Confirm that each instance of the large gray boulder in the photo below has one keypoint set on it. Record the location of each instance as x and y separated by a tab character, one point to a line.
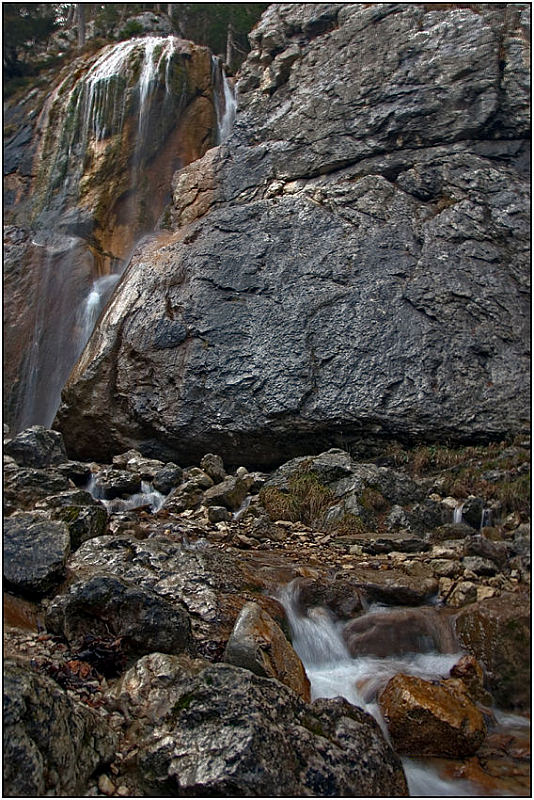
225	732
359	265
52	743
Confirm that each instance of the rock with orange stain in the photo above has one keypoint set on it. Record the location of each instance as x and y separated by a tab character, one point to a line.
257	643
426	718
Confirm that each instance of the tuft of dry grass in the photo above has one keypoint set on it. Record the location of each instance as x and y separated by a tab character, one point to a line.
305	501
373	500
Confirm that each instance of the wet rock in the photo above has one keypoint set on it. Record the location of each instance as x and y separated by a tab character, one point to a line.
226	731
134	461
24	486
398	632
396	588
84	516
472	511
209	582
218	514
426	718
338	593
214	466
229	493
52	744
464	592
167	478
479	565
187	495
469	671
78	472
35	552
198	477
479	545
110	483
497	632
106	605
37	447
258	644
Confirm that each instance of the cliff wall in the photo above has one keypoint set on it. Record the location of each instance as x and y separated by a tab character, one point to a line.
352	265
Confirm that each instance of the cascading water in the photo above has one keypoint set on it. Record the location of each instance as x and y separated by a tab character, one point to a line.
457	514
95	301
99	187
318	639
225	101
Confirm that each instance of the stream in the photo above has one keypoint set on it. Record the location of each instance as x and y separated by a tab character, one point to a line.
318	639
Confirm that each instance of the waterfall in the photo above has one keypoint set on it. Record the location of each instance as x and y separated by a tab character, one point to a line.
148	496
225	101
100	130
318	639
457	514
93	305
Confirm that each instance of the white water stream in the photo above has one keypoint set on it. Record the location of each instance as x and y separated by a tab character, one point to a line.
225	101
318	639
129	79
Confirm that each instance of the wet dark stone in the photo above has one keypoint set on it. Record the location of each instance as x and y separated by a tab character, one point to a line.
35	552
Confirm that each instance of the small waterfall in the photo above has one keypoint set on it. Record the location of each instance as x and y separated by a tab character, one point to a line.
225	101
318	639
457	514
148	496
486	518
93	305
83	120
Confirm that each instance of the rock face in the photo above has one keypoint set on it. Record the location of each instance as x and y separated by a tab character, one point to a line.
227	732
52	744
355	260
89	176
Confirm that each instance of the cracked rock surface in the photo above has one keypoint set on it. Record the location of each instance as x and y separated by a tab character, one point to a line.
352	263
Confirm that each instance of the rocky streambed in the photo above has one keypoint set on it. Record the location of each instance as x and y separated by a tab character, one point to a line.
340	626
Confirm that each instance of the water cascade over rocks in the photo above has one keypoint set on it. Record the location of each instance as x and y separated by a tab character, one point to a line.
225	101
107	140
318	639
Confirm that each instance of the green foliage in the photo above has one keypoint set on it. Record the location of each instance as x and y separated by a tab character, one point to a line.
24	26
207	24
132	28
305	501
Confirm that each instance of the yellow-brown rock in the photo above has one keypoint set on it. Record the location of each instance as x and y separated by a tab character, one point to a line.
257	643
431	719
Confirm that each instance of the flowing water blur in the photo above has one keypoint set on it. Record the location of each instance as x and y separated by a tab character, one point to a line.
318	639
121	93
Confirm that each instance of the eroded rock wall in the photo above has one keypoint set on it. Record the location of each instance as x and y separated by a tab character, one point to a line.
353	264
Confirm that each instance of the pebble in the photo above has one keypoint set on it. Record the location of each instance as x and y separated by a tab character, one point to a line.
484	592
123	791
105	785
